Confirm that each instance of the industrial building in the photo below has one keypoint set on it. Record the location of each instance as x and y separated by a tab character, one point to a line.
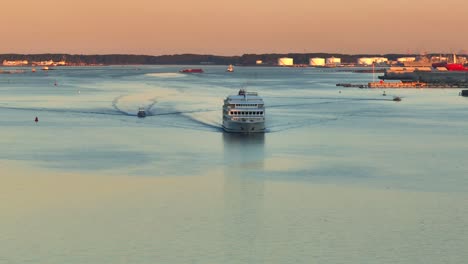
285	61
317	62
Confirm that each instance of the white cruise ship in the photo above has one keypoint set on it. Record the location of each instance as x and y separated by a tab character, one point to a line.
244	113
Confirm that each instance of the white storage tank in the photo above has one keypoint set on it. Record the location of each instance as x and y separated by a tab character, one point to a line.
406	59
285	62
333	60
317	62
365	61
380	60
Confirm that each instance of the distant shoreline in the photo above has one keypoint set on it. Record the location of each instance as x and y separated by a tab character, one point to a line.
190	59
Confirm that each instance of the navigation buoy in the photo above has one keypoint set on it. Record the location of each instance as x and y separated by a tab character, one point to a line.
384	94
55	83
36	119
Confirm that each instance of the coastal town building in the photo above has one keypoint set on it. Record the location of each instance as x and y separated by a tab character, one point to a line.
49	63
15	63
43	63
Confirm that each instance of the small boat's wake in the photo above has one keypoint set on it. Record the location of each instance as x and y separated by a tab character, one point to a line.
150	106
115	103
132	107
64	110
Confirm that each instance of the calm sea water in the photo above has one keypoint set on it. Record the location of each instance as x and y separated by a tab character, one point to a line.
342	176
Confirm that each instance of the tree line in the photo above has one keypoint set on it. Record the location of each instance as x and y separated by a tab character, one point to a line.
190	59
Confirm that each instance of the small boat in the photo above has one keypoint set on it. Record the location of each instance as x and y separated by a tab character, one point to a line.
396	98
191	71
141	112
45	68
230	68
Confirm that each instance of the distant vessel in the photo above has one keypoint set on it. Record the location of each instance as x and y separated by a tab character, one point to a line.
141	112
452	66
230	68
191	71
244	113
456	67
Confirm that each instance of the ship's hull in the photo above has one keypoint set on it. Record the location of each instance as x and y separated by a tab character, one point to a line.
428	76
243	127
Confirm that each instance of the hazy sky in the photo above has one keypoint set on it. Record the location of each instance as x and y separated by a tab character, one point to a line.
232	27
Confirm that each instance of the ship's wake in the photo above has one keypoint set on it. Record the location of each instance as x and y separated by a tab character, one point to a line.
182	111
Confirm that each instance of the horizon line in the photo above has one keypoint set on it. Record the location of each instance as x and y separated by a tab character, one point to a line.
201	54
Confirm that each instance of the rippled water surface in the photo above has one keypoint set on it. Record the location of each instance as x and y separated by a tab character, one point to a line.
343	175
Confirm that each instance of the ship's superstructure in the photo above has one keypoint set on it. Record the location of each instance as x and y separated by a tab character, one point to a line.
244	113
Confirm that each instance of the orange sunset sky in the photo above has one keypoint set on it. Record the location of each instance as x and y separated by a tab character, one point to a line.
156	27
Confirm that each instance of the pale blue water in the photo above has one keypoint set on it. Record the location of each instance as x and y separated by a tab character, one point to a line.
349	177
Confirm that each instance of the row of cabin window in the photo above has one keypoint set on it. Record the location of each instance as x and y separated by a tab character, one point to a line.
246	105
246	113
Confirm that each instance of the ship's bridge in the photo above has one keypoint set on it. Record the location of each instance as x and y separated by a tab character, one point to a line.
244	101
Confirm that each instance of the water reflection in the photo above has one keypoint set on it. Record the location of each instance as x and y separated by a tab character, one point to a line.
243	196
